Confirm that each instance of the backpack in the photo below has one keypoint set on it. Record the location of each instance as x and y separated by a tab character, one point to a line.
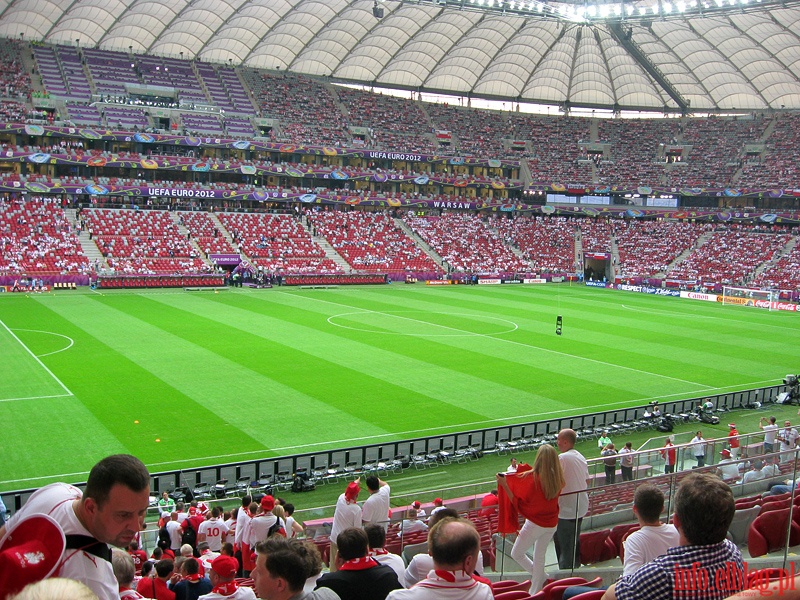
163	539
276	529
189	535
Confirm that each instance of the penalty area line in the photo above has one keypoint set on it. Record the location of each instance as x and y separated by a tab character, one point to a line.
36	358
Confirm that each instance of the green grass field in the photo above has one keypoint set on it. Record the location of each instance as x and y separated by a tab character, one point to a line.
186	379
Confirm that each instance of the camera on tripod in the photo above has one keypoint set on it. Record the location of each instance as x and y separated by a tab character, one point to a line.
793	394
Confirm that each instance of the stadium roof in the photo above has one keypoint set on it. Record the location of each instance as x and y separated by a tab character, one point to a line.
735	59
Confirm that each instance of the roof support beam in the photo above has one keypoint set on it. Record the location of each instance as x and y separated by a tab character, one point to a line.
618	31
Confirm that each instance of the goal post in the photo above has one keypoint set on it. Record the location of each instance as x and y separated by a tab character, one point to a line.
750	297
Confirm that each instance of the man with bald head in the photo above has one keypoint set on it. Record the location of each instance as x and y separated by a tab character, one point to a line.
573	504
454	545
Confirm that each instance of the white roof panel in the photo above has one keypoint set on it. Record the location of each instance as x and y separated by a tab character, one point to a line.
747	60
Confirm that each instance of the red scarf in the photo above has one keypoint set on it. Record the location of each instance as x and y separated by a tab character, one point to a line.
359	564
195	577
226	589
378	552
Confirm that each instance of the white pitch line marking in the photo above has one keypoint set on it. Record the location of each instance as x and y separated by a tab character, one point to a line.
36	358
592	360
66	337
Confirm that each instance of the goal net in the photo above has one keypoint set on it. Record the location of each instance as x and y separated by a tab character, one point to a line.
748	297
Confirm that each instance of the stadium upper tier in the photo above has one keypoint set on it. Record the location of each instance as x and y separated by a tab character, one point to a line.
91	88
671	56
39	239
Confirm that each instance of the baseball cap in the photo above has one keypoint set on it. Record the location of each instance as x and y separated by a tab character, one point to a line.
732	425
225	566
166	515
30	550
352	491
192	510
416	504
267	502
437	501
725	452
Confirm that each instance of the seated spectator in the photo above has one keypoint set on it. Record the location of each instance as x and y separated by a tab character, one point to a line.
654	538
192	584
704	508
358	576
124	570
284	566
489	504
411	524
223	578
421	564
454	547
155	586
755	473
377	540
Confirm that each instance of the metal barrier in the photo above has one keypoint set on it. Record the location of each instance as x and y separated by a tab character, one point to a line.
394	456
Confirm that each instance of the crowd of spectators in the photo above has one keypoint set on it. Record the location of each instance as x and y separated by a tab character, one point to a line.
649	247
467	243
636	152
370	242
776	168
781	274
277	243
729	255
717	146
547	242
142	242
36	237
15	81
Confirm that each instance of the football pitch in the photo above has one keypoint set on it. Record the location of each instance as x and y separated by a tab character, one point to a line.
185	379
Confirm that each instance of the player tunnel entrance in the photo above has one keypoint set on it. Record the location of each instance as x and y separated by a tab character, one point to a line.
597	266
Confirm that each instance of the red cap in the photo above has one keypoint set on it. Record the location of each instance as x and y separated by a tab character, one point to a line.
267	503
437	501
30	550
225	566
732	425
192	510
352	491
416	504
725	452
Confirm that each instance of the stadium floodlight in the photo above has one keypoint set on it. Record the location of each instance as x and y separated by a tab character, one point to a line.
667	7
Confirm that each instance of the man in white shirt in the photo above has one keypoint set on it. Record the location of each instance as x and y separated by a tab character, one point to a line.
572	507
411	524
654	538
699	449
377	540
728	470
111	510
754	474
346	514
788	439
770	433
213	531
454	547
376	507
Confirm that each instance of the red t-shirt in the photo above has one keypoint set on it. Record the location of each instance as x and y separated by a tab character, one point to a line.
139	558
152	587
734	438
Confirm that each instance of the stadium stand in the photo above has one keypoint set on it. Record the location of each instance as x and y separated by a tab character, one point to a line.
37	238
371	242
467	243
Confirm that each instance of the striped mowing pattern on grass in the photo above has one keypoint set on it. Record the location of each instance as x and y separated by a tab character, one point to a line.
215	378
